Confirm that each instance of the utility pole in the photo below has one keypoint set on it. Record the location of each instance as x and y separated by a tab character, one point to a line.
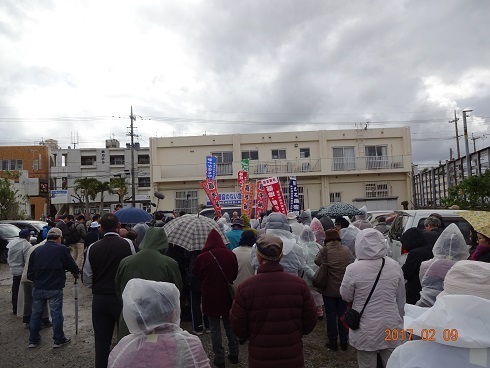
465	127
455	121
473	138
131	133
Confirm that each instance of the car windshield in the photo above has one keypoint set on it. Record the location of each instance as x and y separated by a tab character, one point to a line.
9	231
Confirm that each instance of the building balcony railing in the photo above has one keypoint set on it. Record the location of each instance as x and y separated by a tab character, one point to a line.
367	163
285	166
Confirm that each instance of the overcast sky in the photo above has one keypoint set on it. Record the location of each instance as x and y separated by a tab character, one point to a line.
71	70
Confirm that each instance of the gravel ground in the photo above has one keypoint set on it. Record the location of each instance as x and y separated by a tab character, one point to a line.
14	337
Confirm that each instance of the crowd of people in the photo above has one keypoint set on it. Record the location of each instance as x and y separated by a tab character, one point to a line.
259	288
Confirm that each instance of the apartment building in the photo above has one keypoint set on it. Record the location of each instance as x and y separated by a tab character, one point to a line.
104	164
369	167
28	167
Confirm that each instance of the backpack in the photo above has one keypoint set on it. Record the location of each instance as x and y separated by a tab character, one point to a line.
73	236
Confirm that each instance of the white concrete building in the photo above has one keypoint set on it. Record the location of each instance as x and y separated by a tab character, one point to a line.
369	167
104	164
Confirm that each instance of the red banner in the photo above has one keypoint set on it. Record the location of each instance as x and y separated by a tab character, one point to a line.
242	178
211	189
247	198
274	193
261	199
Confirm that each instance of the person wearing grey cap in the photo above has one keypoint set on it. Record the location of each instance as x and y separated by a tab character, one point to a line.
17	254
292	258
46	269
259	314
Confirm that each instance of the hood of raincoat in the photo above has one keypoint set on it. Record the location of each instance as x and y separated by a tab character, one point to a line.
306	236
155	239
413	238
363	214
451	244
141	230
305	217
370	244
150	304
287	237
317	228
214	240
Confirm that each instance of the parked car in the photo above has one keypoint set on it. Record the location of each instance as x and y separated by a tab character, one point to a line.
415	218
35	227
7	233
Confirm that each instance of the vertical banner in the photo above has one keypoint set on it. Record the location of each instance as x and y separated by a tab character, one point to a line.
242	178
293	196
210	168
211	189
261	199
274	192
246	199
245	164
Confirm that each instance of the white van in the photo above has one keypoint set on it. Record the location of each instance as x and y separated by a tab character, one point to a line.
415	218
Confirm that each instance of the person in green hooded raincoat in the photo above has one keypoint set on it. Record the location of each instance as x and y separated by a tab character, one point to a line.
150	263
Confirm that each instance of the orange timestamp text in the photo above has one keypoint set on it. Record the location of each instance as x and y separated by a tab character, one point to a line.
426	334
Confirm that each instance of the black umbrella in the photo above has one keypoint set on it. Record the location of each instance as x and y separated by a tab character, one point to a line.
339	209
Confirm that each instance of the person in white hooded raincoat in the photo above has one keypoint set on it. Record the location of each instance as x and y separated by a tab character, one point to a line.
292	259
455	331
385	308
449	248
151	310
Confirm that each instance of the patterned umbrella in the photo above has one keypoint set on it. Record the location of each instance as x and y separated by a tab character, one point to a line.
480	220
339	209
191	231
132	215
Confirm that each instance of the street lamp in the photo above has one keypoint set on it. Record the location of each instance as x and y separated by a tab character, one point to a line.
465	127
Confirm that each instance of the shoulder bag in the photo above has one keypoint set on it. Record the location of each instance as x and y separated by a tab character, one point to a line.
231	287
352	318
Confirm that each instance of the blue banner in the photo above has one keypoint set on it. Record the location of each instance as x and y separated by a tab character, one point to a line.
210	167
229	199
293	196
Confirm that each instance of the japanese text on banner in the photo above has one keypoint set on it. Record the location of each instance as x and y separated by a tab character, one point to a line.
274	192
211	189
210	167
293	196
261	199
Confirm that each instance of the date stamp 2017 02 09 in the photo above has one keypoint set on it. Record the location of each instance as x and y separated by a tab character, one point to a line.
429	334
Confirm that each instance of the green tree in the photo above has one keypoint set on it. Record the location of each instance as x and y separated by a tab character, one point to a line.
102	187
119	187
87	189
10	201
473	193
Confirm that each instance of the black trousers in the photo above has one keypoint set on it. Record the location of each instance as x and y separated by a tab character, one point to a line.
15	292
106	309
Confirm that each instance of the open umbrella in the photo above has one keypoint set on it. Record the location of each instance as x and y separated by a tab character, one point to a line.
480	220
191	231
339	209
132	215
75	295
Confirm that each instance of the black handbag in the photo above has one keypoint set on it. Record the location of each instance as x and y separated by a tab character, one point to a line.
320	279
352	318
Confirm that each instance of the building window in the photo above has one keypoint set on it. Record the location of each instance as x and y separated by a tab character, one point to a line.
64	159
304	153
88	160
377	190
64	183
144	182
344	158
11	165
224	163
117	160
278	154
143	159
335	197
251	155
301	196
186	200
376	157
35	165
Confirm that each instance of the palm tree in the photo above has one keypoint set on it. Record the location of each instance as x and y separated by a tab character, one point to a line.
87	189
102	187
119	187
